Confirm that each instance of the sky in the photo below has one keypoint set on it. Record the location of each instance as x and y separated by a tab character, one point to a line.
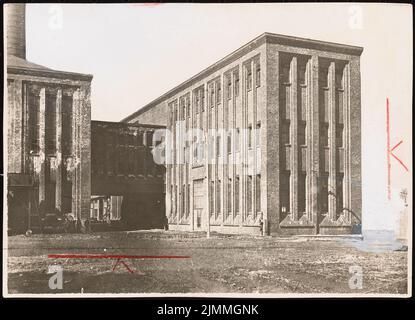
137	52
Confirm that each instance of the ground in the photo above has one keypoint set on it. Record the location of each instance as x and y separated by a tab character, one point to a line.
220	264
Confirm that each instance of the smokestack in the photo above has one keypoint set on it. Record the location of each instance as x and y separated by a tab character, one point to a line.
16	29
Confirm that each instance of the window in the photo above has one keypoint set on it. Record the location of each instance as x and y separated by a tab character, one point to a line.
188	201
197	101
188	106
218	197
285	192
285	134
236	194
339	136
250	136
258	135
229	195
258	75
301	192
33	107
324	135
218	92
218	142
249	193
229	144
212	197
66	195
302	134
212	96
258	193
236	84
237	134
229	85
183	198
149	137
301	73
50	185
248	78
202	98
182	107
66	125
140	138
50	123
285	72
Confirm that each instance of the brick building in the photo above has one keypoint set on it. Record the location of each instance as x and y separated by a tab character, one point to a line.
48	136
285	154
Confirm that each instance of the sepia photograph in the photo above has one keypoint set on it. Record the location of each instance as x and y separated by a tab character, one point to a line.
207	150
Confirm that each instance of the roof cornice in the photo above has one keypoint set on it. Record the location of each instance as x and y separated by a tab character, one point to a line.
266	37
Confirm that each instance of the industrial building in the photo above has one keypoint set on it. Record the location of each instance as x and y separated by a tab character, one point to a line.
48	136
280	148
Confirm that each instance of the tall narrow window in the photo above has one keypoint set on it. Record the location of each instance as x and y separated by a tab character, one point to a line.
250	136
218	143
236	83
258	75
248	77
33	107
66	124
212	197
285	192
218	92
218	197
258	193
66	200
212	95
50	123
229	85
50	185
229	196
197	101
188	105
258	135
183	198
249	194
149	136
236	194
301	193
188	201
237	139
323	195
202	98
229	144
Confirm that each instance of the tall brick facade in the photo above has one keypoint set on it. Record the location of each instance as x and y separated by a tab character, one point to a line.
48	137
295	169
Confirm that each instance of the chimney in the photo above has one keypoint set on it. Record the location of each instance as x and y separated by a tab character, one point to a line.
16	29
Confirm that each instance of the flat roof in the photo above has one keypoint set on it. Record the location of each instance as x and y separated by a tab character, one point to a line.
125	124
22	66
253	44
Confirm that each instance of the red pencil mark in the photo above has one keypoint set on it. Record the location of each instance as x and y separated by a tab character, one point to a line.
389	150
110	256
125	265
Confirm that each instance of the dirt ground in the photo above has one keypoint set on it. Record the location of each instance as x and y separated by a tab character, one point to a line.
220	264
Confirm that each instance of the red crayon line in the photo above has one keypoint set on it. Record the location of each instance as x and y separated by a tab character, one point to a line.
397	145
100	256
400	161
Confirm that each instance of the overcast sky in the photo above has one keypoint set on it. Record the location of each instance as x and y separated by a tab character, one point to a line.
138	52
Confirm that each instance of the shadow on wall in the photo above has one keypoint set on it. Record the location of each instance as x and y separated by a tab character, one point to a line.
142	214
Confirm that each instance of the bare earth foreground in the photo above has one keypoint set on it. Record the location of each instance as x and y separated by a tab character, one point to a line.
220	264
